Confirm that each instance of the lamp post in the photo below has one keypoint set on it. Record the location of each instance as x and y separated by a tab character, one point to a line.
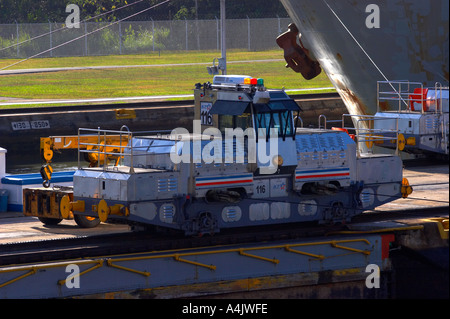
223	61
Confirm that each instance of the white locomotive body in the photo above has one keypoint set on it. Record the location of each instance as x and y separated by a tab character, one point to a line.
245	163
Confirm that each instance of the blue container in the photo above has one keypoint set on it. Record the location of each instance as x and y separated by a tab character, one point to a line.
3	200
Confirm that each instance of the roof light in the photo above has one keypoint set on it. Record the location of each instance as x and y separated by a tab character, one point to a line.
237	79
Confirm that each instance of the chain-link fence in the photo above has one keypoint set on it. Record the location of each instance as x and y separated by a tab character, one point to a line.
133	37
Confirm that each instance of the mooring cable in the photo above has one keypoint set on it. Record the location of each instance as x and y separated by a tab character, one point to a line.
85	35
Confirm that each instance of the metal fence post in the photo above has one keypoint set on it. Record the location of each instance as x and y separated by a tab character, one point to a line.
120	37
153	34
217	34
279	24
248	32
51	42
17	36
85	39
186	33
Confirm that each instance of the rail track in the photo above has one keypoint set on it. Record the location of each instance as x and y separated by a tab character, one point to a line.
136	242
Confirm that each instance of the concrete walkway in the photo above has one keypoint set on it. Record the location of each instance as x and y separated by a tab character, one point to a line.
16	101
100	67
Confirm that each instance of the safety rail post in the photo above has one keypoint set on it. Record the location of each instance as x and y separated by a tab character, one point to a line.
98	146
297	118
325	121
131	154
358	151
409	89
378	100
120	141
444	137
105	161
396	136
79	166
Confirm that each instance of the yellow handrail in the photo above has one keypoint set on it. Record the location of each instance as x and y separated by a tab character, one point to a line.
179	257
31	272
143	273
273	260
99	264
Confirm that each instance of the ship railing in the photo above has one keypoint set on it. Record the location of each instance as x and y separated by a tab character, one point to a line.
443	119
366	136
405	95
112	146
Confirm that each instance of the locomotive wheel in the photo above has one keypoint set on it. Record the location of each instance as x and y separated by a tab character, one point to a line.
50	221
335	214
86	221
338	211
206	224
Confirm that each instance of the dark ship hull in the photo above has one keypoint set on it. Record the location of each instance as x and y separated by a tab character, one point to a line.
404	40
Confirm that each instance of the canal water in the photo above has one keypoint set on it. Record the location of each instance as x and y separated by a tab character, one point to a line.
30	162
35	167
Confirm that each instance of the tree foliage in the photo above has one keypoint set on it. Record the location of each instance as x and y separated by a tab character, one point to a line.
41	11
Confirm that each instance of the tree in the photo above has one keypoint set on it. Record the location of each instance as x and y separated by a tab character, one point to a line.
42	11
31	11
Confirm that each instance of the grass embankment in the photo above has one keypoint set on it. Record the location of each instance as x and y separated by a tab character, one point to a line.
163	79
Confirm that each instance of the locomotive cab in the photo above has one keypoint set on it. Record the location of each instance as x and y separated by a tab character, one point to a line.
241	102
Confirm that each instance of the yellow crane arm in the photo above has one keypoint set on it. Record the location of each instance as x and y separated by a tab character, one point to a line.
110	144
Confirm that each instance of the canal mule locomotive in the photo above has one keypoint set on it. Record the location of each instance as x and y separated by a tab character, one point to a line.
277	172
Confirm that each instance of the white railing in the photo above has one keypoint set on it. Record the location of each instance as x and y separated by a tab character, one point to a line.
402	92
107	145
365	134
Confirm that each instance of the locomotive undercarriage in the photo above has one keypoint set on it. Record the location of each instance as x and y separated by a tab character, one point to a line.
197	216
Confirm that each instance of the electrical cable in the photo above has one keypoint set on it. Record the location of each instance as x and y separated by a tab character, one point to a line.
84	35
65	27
364	51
